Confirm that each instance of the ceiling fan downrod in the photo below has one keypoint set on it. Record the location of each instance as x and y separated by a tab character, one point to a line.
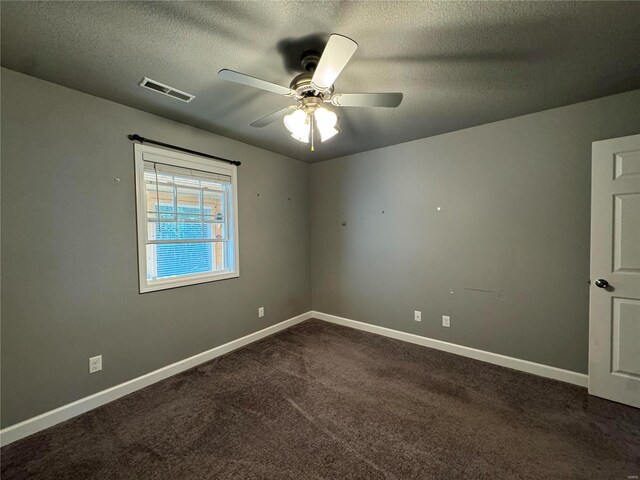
309	60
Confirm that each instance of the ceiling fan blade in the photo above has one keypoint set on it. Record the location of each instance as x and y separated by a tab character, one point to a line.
336	54
367	99
272	117
250	81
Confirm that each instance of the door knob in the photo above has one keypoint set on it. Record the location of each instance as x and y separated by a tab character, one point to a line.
602	283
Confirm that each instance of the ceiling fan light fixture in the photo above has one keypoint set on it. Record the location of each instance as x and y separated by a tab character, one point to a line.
299	123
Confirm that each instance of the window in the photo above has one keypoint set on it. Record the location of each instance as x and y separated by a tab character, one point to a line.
187	219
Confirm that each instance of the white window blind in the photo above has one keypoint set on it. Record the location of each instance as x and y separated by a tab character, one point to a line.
195	201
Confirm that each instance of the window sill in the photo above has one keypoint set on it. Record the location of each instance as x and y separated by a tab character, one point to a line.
156	285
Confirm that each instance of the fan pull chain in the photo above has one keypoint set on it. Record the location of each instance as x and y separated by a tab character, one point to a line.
312	132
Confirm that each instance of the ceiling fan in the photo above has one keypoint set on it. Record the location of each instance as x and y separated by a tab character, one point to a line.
313	89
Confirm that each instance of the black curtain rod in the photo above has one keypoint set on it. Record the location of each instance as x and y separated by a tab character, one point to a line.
137	138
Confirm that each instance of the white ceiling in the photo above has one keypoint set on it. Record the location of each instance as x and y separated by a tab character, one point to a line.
459	64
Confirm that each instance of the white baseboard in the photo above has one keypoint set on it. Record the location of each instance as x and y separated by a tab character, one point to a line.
53	417
515	363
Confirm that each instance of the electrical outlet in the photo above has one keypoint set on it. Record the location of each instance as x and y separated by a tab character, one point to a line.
261	312
446	321
417	316
95	364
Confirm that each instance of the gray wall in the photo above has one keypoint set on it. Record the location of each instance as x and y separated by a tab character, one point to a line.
69	268
515	199
514	219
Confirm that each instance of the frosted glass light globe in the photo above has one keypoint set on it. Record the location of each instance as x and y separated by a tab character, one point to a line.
325	121
298	124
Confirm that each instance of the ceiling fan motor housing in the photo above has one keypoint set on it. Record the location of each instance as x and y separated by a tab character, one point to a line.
302	86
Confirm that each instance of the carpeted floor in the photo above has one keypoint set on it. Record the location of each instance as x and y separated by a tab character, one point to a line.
320	401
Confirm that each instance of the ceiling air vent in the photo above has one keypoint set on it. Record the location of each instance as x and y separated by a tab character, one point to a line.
166	90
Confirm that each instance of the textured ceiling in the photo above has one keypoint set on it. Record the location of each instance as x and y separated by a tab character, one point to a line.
458	64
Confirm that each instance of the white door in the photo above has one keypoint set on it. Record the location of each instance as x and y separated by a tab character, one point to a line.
614	323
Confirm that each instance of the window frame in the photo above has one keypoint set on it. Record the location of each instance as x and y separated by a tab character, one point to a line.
144	153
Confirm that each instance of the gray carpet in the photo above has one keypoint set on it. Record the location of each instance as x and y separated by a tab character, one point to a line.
319	401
